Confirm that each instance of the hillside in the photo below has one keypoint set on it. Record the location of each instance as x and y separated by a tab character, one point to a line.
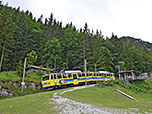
98	98
52	45
138	42
105	96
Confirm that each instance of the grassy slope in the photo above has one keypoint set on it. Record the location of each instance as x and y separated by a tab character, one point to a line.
107	97
13	76
98	96
30	104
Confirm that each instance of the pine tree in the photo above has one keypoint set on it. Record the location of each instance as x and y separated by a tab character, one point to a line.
8	28
52	53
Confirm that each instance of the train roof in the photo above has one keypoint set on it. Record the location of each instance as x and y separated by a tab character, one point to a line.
73	71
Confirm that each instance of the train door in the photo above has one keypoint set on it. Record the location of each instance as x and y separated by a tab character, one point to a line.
55	79
105	77
75	80
52	80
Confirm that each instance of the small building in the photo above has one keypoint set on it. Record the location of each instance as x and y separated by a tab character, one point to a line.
125	75
33	68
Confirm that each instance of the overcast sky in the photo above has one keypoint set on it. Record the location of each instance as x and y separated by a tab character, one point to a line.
122	17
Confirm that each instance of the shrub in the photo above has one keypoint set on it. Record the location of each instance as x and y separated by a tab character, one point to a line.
143	86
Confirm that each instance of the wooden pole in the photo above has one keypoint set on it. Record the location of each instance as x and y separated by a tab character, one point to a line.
124	94
2	56
23	83
85	67
95	67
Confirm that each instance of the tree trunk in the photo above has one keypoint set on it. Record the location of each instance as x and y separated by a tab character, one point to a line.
2	56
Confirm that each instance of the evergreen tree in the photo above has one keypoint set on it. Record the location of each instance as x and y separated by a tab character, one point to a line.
8	28
52	53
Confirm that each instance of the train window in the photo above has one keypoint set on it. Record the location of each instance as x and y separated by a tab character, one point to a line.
74	76
59	76
70	75
109	74
79	75
52	76
91	74
45	78
94	74
65	75
103	75
83	74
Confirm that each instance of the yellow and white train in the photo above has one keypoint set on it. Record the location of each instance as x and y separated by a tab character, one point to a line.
54	80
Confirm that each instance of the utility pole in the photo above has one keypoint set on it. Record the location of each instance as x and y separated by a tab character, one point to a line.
2	56
85	67
95	67
23	83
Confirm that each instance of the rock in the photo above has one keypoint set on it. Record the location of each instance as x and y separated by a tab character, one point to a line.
15	85
25	86
0	87
32	85
4	92
11	94
39	87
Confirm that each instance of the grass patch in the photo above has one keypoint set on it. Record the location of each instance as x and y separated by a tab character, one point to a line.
9	76
29	104
14	77
8	79
105	96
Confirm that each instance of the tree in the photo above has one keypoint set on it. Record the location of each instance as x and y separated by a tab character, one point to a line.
72	48
105	59
52	53
8	28
19	68
31	58
51	19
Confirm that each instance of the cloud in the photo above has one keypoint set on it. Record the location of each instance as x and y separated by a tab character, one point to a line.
123	17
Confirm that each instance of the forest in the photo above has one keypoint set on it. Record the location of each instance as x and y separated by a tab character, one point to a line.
46	42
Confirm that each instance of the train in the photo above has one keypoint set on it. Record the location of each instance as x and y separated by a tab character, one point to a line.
71	78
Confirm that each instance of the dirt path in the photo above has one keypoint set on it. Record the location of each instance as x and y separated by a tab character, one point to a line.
68	106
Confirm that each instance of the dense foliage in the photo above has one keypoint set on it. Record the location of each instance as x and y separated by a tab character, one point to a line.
54	46
144	86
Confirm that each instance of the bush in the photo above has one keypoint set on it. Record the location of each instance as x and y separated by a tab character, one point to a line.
143	86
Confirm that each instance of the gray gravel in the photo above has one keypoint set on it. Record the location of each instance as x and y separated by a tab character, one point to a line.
68	106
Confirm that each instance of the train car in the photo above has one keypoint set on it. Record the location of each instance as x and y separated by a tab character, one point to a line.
55	80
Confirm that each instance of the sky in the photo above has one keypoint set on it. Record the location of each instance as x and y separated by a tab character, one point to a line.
122	17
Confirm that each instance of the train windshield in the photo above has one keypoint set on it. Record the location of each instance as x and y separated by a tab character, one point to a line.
45	78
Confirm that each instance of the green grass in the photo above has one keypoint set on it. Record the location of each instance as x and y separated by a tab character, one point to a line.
14	77
9	76
29	104
105	96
